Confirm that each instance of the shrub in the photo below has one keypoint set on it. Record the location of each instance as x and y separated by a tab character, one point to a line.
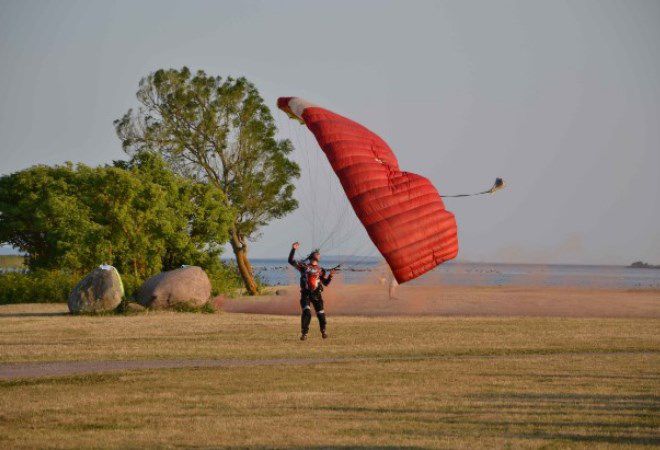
131	285
54	286
225	278
206	308
46	286
138	216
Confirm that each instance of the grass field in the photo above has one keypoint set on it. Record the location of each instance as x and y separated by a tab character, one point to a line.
413	381
12	261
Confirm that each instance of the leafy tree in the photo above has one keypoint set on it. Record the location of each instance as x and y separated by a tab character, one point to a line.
42	216
137	215
220	132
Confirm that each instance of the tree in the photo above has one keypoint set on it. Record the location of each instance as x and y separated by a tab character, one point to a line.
41	215
220	132
137	215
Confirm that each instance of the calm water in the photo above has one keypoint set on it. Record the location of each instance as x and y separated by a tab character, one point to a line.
278	272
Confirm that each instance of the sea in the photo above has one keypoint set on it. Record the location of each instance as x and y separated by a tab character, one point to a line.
360	270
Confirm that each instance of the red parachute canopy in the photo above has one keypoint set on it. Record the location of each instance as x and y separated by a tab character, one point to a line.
401	211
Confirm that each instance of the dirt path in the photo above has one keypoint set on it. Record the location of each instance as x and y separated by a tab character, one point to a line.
368	300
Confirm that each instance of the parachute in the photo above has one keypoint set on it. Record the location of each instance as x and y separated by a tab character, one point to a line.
402	212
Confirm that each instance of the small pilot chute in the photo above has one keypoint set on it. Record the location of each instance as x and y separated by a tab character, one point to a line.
499	184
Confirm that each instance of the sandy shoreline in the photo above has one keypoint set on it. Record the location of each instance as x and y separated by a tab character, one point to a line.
373	300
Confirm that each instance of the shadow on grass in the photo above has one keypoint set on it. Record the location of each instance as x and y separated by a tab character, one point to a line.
564	405
564	417
593	438
571	399
85	379
35	314
572	376
342	447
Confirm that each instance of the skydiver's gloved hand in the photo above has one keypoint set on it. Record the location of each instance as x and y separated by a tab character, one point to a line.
292	253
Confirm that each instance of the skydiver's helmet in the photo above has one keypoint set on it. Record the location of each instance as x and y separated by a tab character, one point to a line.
314	257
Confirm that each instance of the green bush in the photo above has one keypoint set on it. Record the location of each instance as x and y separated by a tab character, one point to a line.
44	286
131	285
138	215
54	286
206	308
225	279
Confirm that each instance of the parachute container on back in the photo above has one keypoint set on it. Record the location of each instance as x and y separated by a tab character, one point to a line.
402	212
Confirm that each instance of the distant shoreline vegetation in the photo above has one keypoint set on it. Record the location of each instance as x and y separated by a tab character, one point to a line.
12	264
643	265
17	261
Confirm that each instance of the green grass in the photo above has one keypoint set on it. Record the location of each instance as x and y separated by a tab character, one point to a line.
416	382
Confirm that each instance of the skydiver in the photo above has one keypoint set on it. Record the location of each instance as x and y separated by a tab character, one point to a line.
312	280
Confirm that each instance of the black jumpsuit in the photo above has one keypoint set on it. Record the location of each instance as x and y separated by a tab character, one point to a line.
312	280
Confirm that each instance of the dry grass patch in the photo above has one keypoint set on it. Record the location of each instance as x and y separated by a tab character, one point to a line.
518	401
417	382
38	333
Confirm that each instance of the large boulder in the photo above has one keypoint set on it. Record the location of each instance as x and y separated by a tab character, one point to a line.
101	290
188	286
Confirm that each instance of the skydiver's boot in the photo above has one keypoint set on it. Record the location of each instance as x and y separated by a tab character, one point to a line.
305	319
320	313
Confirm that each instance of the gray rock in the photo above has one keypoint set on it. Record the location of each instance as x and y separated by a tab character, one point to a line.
100	291
188	286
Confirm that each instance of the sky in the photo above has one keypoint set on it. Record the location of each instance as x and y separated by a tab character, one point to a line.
560	98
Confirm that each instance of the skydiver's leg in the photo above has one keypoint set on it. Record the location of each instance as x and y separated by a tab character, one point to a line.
306	316
320	313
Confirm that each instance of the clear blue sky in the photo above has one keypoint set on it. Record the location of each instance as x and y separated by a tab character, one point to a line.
562	99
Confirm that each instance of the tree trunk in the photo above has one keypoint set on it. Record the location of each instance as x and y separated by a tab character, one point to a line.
244	266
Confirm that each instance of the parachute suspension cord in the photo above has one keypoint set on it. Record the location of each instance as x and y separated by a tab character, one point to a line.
321	205
499	184
308	209
311	187
326	209
355	264
335	227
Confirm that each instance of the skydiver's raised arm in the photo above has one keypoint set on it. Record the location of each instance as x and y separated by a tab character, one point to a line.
292	253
